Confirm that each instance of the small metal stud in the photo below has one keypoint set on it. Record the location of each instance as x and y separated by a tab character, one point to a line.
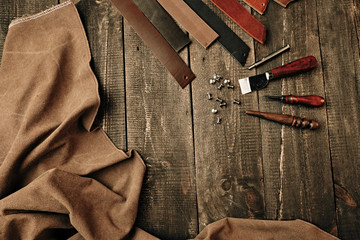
212	81
209	96
214	111
226	81
218	121
230	86
219	100
220	86
223	104
217	77
236	102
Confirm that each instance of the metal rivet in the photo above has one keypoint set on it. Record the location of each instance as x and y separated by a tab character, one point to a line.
226	81
214	111
230	86
220	86
236	102
212	81
223	104
218	121
219	100
209	96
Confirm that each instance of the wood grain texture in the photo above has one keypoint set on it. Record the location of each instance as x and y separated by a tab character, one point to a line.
339	39
103	26
292	156
228	155
200	171
160	128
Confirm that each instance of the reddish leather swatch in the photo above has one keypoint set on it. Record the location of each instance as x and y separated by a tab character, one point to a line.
155	41
284	3
243	18
192	23
258	5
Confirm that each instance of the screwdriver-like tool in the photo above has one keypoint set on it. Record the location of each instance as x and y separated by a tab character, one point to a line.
309	100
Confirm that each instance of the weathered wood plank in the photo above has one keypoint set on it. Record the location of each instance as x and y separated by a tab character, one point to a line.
228	155
295	161
339	38
103	26
160	127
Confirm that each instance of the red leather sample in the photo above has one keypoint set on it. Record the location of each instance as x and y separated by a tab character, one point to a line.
243	18
259	5
155	41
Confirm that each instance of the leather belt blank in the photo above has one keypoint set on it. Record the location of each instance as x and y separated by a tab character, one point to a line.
163	22
192	23
227	38
155	41
243	18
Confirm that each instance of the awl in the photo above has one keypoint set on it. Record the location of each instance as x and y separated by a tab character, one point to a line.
260	81
309	100
286	119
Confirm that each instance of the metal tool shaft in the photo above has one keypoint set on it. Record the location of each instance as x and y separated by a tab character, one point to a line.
272	55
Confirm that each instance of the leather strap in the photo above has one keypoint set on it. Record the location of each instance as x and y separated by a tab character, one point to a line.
284	3
192	23
227	38
258	5
163	22
155	41
239	14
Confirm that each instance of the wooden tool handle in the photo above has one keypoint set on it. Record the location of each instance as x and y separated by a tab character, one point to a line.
299	66
310	100
286	119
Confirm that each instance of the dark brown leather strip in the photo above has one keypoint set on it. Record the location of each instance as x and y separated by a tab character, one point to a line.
163	22
243	18
155	41
192	23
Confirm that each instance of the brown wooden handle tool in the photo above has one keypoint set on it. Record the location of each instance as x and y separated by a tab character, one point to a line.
299	66
309	100
286	119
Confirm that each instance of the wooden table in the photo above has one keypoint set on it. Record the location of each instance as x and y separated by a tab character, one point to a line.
199	171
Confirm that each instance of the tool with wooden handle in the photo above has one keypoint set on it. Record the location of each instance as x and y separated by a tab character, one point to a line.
286	119
309	100
260	81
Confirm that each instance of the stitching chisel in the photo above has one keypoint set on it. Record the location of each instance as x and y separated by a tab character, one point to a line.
309	100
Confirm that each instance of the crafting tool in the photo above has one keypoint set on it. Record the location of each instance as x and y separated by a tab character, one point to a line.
258	5
309	100
260	81
272	55
284	3
286	119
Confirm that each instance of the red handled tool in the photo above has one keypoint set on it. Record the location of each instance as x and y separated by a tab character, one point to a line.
309	100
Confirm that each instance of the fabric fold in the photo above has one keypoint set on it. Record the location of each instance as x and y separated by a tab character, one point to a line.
60	174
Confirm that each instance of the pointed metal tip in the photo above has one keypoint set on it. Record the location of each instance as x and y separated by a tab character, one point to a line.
275	97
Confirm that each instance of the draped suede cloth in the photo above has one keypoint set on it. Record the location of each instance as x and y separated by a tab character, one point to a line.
60	175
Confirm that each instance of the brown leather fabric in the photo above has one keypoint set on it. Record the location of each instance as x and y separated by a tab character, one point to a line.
259	5
192	23
243	18
59	173
155	41
235	228
284	3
